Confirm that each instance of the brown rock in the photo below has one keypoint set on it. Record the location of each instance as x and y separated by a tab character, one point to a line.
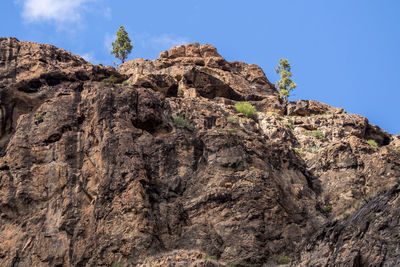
309	107
165	172
366	238
163	54
193	50
211	76
177	51
208	51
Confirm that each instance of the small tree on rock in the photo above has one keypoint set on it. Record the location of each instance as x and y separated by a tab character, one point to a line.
285	85
122	46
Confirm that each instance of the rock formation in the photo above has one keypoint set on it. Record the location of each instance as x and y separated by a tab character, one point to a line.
150	164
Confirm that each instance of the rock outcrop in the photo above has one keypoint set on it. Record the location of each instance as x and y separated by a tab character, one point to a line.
369	237
151	165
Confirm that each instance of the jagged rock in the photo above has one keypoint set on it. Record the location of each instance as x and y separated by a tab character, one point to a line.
369	237
334	147
96	173
162	170
310	107
202	68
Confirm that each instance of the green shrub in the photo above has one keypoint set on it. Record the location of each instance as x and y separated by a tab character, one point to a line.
39	117
179	120
346	214
246	109
125	83
317	133
313	149
234	263
299	150
209	257
366	198
288	124
252	168
111	79
284	260
398	149
232	119
232	130
328	208
372	143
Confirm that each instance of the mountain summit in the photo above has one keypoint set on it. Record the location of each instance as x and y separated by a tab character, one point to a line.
151	164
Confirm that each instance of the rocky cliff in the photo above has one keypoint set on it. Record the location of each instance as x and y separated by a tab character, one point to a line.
150	164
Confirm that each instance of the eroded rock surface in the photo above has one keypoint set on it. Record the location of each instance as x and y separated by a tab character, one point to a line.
369	237
161	170
198	70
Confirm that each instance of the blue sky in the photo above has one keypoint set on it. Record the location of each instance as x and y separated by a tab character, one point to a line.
345	53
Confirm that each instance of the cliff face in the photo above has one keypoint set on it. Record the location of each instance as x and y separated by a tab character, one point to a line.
158	168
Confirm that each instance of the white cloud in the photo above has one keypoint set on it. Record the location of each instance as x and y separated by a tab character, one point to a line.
53	10
60	12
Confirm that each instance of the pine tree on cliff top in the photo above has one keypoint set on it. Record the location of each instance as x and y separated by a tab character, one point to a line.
285	85
122	46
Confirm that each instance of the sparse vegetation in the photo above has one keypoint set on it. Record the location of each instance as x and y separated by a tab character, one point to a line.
181	121
235	263
126	83
372	143
197	43
284	260
354	192
398	149
285	85
111	79
246	109
366	198
180	91
346	214
313	149
252	168
317	133
232	119
299	150
122	45
209	257
39	117
288	124
328	208
232	130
